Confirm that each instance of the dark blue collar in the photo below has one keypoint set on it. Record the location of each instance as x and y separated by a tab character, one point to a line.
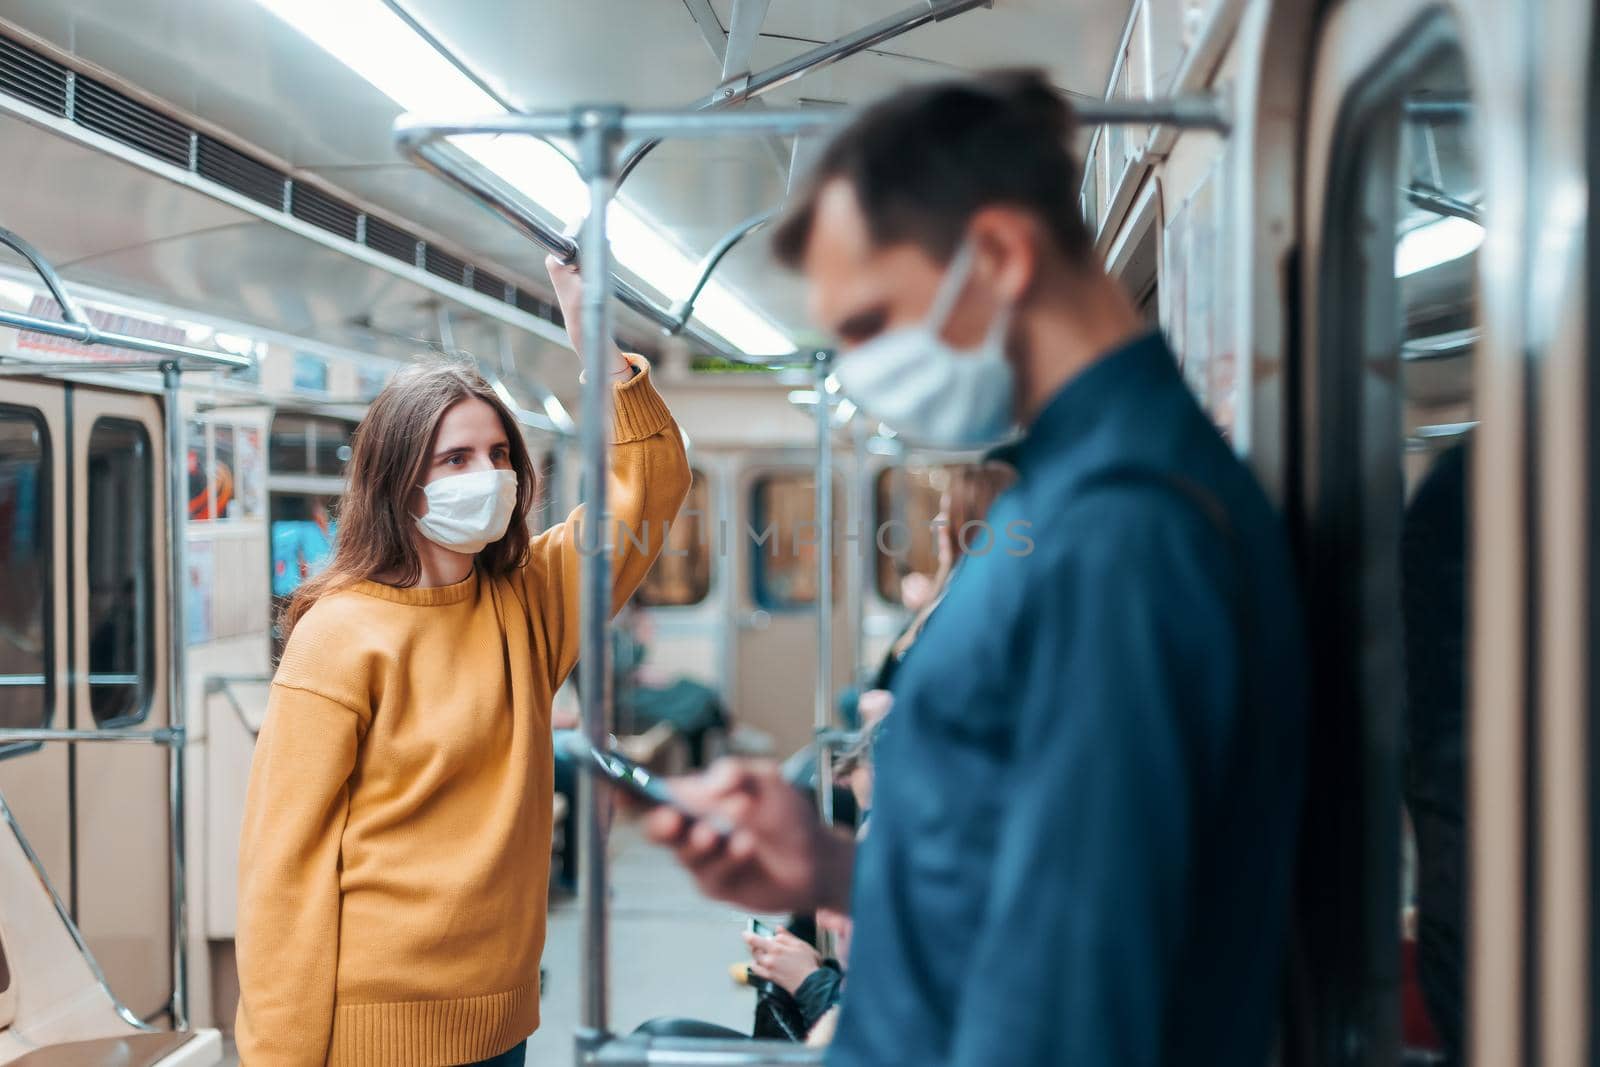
1073	412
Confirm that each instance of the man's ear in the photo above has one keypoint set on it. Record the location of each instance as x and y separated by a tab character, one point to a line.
1005	242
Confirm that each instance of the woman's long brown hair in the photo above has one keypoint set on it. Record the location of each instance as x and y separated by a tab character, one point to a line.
388	464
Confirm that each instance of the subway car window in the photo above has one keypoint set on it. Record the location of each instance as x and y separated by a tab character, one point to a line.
1440	229
26	689
908	501
785	537
308	444
682	573
1416	190
121	571
302	532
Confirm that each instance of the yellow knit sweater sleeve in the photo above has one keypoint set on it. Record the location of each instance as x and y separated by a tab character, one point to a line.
295	811
648	483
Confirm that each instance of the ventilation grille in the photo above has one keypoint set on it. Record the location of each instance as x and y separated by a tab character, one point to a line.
32	78
488	284
444	265
44	83
124	119
310	204
539	308
391	240
237	171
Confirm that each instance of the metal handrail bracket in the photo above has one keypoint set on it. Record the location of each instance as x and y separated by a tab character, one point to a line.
65	915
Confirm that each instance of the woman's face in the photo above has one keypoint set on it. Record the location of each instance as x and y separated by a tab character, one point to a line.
470	438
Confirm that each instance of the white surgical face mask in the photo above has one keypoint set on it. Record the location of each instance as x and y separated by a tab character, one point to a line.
467	512
929	391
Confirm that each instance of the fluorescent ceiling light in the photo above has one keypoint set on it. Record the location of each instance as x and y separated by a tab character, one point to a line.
16	293
377	44
1433	243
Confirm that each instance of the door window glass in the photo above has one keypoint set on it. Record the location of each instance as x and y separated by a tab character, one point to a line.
1403	242
907	504
303	529
121	571
26	689
785	539
682	573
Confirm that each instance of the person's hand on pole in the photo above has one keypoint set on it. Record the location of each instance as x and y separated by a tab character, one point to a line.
568	284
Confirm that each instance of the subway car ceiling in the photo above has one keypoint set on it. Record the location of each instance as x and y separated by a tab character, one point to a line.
163	170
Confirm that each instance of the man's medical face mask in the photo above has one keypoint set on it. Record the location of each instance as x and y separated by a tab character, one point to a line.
469	512
929	391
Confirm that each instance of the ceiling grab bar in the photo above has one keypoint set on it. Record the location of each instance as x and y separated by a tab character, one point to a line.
513	206
741	87
418	140
683	310
77	327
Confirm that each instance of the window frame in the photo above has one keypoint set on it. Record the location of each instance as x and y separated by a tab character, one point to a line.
52	702
1351	928
760	552
699	482
145	570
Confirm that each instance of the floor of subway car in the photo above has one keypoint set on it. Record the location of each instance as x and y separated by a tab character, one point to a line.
670	953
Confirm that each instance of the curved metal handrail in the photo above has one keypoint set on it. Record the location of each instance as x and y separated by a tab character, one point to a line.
683	310
65	916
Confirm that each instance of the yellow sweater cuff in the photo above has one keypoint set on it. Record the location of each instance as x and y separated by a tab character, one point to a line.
638	411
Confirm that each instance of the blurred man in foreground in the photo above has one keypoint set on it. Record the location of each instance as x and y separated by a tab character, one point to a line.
1085	812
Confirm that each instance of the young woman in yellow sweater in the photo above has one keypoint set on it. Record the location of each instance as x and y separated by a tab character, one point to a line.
395	853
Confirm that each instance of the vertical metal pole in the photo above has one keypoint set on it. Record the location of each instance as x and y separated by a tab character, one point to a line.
597	136
860	573
177	495
824	704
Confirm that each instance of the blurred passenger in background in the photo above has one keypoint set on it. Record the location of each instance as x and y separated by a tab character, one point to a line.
973	489
1086	803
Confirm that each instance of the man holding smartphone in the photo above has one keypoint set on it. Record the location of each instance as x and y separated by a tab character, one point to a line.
1085	814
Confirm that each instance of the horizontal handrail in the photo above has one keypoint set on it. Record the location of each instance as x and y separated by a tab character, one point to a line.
703	1052
222	685
160	735
75	327
745	87
511	205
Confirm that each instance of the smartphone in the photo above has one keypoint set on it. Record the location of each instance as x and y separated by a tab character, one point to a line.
761	929
620	772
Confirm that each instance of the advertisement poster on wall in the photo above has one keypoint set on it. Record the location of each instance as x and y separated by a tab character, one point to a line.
1201	257
1200	297
251	475
1224	385
1174	280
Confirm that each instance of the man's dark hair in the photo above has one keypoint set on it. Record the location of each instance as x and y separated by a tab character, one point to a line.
923	161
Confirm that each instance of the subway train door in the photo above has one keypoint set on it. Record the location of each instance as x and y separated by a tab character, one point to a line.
777	537
1396	203
96	812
